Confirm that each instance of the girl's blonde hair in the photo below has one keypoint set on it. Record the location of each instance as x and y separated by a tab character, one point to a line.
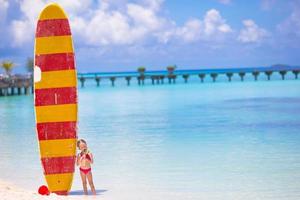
79	141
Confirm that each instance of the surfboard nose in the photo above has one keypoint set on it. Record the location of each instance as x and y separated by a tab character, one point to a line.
52	11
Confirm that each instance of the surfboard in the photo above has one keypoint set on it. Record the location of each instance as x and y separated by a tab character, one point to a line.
55	98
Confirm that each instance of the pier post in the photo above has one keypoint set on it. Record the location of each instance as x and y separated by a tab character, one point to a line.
268	74
185	77
82	80
26	90
202	76
162	77
282	73
153	80
214	76
112	79
296	72
174	78
1	92
97	79
255	74
143	79
157	79
19	90
242	75
12	90
5	91
169	79
128	78
229	76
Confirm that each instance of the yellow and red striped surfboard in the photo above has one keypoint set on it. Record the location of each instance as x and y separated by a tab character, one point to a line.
55	86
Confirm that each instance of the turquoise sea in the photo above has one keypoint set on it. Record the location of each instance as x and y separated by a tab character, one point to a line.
238	140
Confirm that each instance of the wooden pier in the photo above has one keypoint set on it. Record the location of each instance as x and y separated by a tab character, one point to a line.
17	85
170	78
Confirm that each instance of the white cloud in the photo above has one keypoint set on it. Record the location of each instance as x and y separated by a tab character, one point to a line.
267	4
154	5
4	4
108	23
22	32
23	29
212	27
74	7
144	17
102	25
291	25
252	33
191	31
214	23
108	26
225	1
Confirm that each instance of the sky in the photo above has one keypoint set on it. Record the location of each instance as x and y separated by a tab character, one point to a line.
121	35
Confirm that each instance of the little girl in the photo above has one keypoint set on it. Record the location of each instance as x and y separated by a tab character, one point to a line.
84	160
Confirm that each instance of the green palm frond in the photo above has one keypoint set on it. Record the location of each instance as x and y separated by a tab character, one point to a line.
7	66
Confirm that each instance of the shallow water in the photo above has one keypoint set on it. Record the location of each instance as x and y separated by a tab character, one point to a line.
185	141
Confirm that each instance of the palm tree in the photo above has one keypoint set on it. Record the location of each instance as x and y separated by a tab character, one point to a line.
229	75
296	72
141	77
214	76
29	64
171	69
185	77
282	73
269	73
7	66
141	70
242	75
202	76
255	74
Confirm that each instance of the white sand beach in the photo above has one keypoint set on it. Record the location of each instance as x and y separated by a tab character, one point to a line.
9	191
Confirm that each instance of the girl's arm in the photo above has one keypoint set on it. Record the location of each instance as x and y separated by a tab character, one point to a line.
77	160
92	158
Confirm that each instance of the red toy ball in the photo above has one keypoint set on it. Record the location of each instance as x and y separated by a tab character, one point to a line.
43	190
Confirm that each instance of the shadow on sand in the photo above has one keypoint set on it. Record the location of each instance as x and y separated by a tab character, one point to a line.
80	192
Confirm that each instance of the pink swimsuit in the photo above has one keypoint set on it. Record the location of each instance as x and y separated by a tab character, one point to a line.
85	171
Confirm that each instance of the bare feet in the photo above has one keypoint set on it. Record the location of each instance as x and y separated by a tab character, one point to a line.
93	191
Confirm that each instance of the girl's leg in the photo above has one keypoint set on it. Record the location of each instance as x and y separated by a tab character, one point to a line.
90	179
83	178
